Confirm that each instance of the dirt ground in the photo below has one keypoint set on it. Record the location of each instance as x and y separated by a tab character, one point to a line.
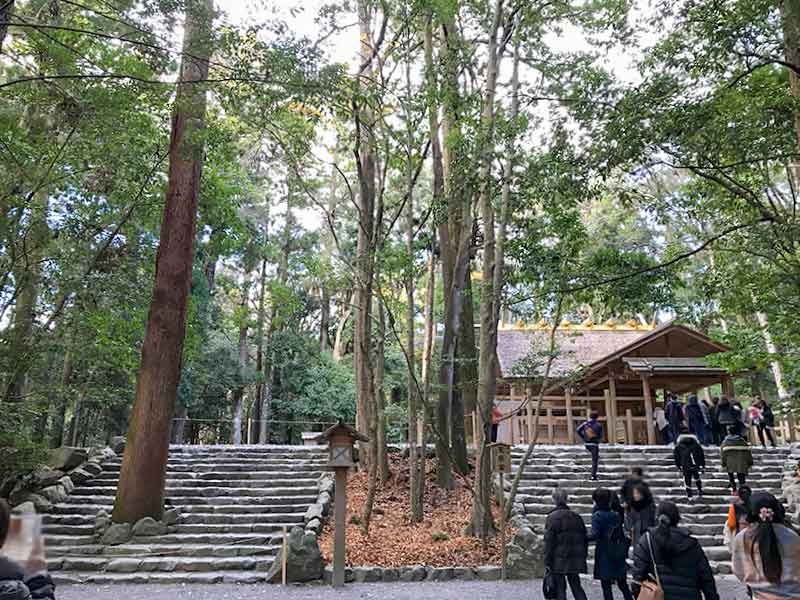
394	541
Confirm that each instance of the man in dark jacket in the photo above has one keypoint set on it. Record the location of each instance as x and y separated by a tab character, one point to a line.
695	419
674	413
591	432
17	583
690	460
682	565
565	547
737	457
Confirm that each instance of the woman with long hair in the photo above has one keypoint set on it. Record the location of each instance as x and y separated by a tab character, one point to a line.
670	554
612	546
766	555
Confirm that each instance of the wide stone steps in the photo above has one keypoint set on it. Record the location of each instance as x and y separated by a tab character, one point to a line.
568	467
174	578
234	502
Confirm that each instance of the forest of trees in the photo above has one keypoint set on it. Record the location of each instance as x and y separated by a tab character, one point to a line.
214	229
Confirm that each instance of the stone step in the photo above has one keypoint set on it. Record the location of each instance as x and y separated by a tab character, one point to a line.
196	564
56	541
612	479
291	496
697	507
192	518
219	528
166	550
662	487
543	495
174	578
93	509
709	524
310	478
225	461
302	487
263	473
520	449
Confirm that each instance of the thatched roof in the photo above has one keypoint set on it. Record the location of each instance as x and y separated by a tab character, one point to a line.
577	348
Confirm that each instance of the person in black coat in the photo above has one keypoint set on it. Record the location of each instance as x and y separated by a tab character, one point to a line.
726	414
717	430
18	582
695	420
767	422
611	551
681	564
674	413
690	460
565	547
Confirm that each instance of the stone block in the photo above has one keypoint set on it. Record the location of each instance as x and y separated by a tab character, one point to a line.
67	484
80	475
314	511
45	477
54	493
304	560
367	574
440	574
390	575
123	565
118	444
463	573
488	573
413	573
149	527
314	525
41	504
66	459
117	533
92	468
25	508
171	516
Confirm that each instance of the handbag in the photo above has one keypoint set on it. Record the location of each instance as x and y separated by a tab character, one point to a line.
651	590
549	590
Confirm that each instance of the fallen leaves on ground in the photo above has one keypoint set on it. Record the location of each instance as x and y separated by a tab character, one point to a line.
394	541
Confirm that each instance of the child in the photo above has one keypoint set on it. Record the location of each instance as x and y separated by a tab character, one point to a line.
690	459
591	432
737	515
18	582
737	458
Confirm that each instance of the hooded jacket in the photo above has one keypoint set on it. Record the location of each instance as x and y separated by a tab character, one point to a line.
726	413
688	453
15	586
565	541
682	566
736	454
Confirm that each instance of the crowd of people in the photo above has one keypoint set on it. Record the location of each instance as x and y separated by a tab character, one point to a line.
666	557
711	420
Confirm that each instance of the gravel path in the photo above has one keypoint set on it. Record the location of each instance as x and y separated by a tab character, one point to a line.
472	590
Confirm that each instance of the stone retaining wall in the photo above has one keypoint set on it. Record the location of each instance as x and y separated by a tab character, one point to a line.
414	573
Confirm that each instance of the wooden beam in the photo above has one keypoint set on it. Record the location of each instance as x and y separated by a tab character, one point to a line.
648	410
629	426
570	422
612	391
550	428
610	429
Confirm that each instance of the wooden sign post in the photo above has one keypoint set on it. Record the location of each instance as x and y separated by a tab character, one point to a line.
340	438
501	464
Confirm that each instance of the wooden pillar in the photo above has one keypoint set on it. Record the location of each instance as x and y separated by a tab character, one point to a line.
629	426
648	410
476	429
790	424
610	429
570	422
550	430
612	391
728	389
340	515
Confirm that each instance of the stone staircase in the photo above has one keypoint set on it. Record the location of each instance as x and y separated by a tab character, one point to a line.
569	468
234	502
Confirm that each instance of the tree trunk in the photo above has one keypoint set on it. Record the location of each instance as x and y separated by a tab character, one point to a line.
244	320
338	342
274	311
482	523
57	434
261	385
774	363
141	487
790	17
427	356
380	372
6	9
324	319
